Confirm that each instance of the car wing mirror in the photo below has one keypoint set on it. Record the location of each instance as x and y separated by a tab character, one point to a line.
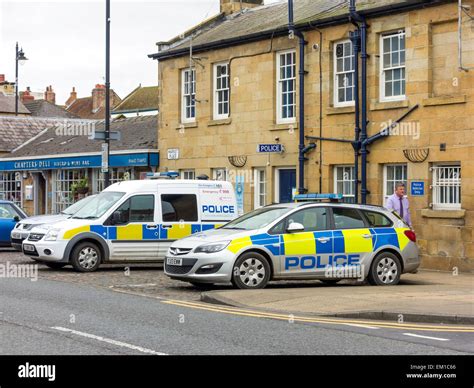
16	218
295	227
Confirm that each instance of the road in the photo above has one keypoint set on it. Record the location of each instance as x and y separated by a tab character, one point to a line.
48	317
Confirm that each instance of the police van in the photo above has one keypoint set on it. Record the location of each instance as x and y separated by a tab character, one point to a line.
305	241
131	222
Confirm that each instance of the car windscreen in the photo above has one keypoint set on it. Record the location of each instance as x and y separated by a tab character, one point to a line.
74	208
98	205
257	219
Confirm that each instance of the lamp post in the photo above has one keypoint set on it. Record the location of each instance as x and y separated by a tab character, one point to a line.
19	58
106	171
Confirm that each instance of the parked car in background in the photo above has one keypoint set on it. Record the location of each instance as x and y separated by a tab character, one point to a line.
10	215
23	228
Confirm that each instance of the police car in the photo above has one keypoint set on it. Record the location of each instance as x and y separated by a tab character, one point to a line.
132	222
325	241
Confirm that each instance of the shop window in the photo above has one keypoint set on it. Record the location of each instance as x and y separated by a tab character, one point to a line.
11	187
62	192
115	174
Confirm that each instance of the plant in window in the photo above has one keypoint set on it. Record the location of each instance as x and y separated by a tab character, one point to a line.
80	187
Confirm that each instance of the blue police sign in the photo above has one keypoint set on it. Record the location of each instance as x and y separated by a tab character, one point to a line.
417	188
262	148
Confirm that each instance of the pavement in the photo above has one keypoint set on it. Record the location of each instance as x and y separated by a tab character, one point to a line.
427	296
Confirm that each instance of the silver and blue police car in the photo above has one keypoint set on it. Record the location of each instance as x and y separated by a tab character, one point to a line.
324	241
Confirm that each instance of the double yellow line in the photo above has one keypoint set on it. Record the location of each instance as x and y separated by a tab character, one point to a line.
293	318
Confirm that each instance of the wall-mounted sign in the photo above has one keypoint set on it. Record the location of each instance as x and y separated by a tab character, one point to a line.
266	148
173	153
417	188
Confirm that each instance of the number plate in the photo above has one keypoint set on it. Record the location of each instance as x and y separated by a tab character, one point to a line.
29	248
173	261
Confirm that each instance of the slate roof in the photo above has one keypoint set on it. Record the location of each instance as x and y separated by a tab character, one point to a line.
14	131
272	19
7	105
82	107
142	99
138	133
43	108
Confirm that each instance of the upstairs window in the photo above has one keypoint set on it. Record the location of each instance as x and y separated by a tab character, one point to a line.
221	91
393	72
188	103
286	87
344	75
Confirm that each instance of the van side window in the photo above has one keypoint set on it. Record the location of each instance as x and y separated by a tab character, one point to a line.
377	220
179	207
346	218
140	208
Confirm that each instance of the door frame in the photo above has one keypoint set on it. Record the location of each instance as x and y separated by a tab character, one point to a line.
277	180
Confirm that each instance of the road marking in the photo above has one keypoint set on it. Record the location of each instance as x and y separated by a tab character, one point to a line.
424	336
363	326
109	341
288	317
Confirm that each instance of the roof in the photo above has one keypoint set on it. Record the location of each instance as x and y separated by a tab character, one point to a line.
272	20
82	107
137	133
43	108
7	105
142	99
14	131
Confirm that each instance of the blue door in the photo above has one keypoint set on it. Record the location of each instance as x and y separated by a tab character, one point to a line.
287	185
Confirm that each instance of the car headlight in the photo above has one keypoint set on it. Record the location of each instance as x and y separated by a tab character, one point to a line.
52	235
212	248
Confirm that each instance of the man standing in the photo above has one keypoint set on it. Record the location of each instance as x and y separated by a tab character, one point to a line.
398	202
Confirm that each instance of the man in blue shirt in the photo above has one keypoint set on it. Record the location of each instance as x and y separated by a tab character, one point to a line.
398	202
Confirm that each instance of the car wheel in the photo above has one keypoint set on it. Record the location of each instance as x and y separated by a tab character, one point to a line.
86	257
330	281
251	271
55	265
385	270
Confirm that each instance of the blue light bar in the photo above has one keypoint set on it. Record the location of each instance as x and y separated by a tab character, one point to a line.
163	175
318	197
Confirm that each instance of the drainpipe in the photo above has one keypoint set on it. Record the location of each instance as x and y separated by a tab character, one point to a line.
355	39
301	147
361	22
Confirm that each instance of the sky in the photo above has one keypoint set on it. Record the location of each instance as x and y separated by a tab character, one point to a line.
64	41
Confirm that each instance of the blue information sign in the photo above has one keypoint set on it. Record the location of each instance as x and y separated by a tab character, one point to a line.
417	188
270	148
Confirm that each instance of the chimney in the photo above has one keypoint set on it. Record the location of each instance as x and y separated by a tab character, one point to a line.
98	97
2	77
230	6
72	97
49	95
26	95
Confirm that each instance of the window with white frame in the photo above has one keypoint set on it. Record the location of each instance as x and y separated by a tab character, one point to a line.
344	182
394	173
260	187
393	71
115	175
219	174
344	75
221	91
188	92
62	191
188	174
446	186
11	187
286	87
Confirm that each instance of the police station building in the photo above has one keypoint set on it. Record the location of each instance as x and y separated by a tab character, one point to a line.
56	168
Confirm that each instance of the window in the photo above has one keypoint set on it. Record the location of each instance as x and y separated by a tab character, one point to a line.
188	103
377	220
393	174
140	208
219	174
344	182
312	219
344	74
11	187
346	218
62	182
221	91
446	187
260	198
286	87
179	207
115	175
392	61
8	212
188	174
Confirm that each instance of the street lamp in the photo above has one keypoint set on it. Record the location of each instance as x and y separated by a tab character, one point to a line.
19	59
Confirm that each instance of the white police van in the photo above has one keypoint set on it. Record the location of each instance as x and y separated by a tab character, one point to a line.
132	222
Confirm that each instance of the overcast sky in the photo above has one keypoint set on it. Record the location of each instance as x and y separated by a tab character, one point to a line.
65	40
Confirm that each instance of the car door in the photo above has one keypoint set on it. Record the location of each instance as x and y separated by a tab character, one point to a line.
306	253
7	222
135	233
353	241
179	217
